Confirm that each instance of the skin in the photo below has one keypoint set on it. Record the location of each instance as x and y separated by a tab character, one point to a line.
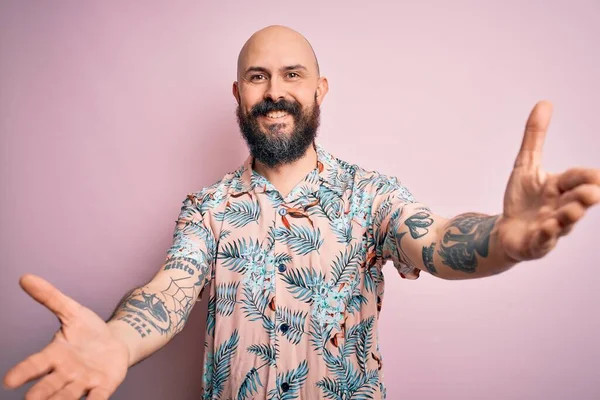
90	356
279	63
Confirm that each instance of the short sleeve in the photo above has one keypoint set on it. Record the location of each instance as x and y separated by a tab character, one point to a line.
193	239
391	201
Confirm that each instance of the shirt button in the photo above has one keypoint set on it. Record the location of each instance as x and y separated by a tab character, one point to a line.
282	211
285	386
281	267
284	328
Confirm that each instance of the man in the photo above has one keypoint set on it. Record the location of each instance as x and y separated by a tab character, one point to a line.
293	244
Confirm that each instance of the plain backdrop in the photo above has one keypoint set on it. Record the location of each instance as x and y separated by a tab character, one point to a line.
112	111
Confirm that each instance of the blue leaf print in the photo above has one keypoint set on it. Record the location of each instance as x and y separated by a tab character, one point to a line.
355	302
295	320
211	317
365	340
224	233
319	335
226	294
372	278
301	281
330	203
346	263
342	228
365	386
222	363
239	214
266	352
336	366
254	305
282	258
331	389
235	254
301	239
295	378
249	385
382	212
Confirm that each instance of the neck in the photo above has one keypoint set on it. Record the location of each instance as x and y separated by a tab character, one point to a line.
285	177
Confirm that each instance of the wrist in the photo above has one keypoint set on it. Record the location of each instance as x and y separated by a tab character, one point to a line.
122	333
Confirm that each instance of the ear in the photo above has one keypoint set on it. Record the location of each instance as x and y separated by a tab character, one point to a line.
236	92
322	89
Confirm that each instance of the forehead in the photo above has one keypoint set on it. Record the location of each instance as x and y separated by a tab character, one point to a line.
277	51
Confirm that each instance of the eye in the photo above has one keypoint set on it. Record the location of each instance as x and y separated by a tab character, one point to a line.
257	77
293	75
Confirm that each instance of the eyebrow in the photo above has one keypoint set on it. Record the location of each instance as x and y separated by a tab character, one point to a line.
283	69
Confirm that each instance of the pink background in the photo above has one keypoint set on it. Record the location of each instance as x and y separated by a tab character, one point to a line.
111	112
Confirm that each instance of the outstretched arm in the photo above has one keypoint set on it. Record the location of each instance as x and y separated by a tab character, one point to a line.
90	357
539	207
464	247
159	310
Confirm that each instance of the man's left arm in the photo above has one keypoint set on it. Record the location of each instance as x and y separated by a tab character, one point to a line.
538	208
464	247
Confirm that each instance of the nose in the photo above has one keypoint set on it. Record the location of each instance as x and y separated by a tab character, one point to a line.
275	91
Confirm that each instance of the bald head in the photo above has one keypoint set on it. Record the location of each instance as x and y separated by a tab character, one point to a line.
277	44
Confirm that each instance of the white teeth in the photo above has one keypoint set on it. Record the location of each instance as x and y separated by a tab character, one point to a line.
276	114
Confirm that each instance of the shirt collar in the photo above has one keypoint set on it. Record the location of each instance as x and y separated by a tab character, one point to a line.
328	170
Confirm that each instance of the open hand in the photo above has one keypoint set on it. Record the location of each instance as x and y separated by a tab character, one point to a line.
84	357
539	207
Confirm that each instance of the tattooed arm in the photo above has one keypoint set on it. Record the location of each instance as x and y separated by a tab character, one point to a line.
463	247
159	310
89	356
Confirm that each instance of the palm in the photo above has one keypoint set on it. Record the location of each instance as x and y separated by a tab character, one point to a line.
83	357
540	207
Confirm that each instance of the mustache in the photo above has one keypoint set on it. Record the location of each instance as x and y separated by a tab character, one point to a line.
266	106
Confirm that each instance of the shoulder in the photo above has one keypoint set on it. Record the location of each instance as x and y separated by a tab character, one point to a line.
211	196
377	183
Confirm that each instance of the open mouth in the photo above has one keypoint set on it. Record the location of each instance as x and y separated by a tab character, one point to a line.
276	115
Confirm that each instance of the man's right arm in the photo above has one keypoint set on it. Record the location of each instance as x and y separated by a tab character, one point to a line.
148	317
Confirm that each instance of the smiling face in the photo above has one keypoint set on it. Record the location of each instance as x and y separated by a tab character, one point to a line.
279	92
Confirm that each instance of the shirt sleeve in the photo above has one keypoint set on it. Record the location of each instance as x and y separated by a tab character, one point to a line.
193	239
392	202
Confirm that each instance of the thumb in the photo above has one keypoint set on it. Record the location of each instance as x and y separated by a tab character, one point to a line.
44	293
530	153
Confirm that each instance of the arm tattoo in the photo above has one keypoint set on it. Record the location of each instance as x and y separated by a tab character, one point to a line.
136	323
428	258
458	249
420	220
166	310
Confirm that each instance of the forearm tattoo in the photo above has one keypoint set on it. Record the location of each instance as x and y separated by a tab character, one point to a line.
167	310
459	250
428	258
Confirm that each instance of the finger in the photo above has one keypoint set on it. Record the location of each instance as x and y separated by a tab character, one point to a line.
578	176
47	386
569	214
587	194
31	368
73	391
98	394
44	293
546	237
530	153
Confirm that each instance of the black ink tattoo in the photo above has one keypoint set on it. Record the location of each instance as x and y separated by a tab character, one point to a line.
180	263
420	220
136	323
428	259
458	250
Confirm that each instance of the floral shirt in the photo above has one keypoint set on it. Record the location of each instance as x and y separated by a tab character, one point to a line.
295	283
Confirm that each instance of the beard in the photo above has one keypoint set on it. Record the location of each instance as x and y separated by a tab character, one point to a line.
276	148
